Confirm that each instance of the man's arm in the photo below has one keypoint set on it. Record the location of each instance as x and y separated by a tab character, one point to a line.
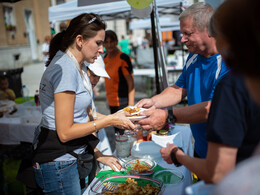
170	96
196	113
221	159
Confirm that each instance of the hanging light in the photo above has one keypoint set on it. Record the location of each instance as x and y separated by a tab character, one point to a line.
139	4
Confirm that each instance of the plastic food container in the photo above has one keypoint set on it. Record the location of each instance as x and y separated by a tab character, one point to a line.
122	146
101	185
150	164
169	176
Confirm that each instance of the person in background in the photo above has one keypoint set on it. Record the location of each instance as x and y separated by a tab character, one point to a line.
203	69
45	49
133	45
5	92
232	127
120	90
145	43
66	129
52	28
63	26
95	71
125	46
245	60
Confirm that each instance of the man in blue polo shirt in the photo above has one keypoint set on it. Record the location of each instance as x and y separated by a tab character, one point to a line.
203	69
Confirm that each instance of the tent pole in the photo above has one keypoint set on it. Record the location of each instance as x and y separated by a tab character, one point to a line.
182	48
155	53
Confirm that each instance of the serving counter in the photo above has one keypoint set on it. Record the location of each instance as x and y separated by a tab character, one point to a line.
177	188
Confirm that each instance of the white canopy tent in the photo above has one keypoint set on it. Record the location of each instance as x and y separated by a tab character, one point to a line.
122	10
166	23
108	11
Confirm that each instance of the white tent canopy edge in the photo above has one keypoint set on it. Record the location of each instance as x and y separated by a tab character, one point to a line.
70	10
166	23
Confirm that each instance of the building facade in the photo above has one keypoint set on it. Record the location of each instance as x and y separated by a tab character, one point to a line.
24	25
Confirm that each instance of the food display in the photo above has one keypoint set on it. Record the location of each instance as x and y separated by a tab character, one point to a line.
127	184
140	167
131	188
131	110
133	113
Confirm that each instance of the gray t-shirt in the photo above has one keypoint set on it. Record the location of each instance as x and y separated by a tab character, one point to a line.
60	76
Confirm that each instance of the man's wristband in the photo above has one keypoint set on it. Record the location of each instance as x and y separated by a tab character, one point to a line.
171	118
173	156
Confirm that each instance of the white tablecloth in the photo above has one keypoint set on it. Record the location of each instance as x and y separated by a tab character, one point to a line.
176	189
20	127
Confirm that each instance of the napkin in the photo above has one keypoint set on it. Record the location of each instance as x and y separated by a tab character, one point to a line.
172	139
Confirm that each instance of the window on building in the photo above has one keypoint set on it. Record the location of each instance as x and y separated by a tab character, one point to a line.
60	2
9	18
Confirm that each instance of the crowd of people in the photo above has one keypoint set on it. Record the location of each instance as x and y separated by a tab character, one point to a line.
220	80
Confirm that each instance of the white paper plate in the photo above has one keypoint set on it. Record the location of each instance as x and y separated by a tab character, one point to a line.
135	118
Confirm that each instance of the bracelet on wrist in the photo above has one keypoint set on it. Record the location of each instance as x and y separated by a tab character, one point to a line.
173	156
96	130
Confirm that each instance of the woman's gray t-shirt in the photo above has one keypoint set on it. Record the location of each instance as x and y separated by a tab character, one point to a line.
60	76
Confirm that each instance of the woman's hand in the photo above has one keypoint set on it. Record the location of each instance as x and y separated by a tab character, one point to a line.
110	161
121	121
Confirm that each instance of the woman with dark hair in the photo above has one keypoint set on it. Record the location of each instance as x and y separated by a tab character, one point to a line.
120	88
238	31
65	139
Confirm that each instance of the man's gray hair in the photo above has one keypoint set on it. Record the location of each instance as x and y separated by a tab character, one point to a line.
201	14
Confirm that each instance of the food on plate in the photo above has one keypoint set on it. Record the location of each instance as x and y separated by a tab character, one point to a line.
132	110
139	167
131	188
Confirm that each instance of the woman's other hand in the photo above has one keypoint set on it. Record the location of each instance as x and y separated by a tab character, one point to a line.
110	161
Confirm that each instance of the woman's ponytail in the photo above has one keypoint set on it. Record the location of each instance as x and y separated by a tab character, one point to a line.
55	45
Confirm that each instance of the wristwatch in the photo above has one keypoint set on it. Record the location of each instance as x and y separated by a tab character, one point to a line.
173	156
171	118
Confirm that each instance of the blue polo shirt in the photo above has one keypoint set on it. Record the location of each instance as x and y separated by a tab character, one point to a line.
199	77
